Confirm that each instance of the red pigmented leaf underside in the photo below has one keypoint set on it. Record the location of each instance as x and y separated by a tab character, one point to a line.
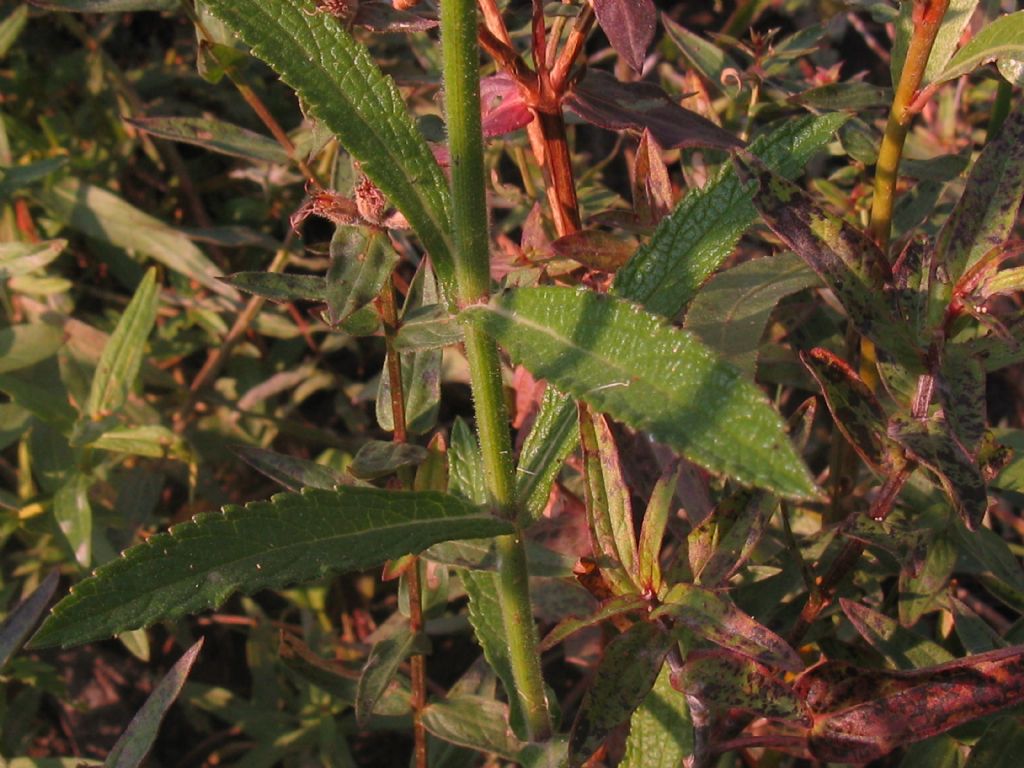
629	25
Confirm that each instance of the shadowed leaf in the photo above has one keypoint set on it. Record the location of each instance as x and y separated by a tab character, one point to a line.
718	620
381	666
293	473
601	99
902	647
961	386
131	749
22	619
622	681
553	436
660	731
722	681
214	135
709	59
378	458
279	287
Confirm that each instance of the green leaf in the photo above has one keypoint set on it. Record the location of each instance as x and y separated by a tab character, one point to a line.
715	618
920	592
421	370
482	555
24	258
1002	39
489	629
279	287
465	465
378	458
1000	747
361	262
22	619
737	535
701	232
122	356
660	731
381	666
732	309
429	327
987	211
292	473
131	749
652	531
902	647
955	20
854	96
621	683
341	85
73	514
613	606
22	346
473	722
932	444
153	440
845	258
264	545
609	509
710	60
105	216
627	363
553	436
214	135
10	28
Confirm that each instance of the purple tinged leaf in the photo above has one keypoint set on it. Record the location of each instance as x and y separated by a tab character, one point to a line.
721	681
383	17
625	675
133	746
613	606
844	257
932	444
629	25
738	537
961	386
715	618
853	405
601	99
594	249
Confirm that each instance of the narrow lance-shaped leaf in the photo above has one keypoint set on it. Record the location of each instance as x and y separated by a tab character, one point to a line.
702	230
903	647
489	629
625	675
732	310
214	135
652	531
552	438
709	59
845	258
105	216
341	85
381	666
609	509
932	444
22	346
131	749
629	364
106	6
961	385
1002	39
292	473
280	287
291	538
721	681
73	513
936	700
715	618
22	619
985	216
855	410
23	258
736	545
122	356
610	608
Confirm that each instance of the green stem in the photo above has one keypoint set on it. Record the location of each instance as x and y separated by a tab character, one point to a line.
460	55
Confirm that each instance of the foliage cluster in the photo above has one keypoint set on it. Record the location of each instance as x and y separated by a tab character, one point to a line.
511	383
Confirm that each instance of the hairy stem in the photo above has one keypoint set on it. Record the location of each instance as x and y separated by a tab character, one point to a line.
460	54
